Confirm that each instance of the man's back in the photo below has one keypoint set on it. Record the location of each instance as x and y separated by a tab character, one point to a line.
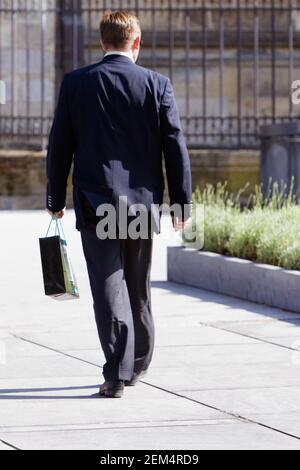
118	119
115	116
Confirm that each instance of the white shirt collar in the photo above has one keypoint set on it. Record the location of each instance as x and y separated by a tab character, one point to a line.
124	53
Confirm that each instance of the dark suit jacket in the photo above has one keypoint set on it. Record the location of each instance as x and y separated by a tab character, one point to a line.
115	120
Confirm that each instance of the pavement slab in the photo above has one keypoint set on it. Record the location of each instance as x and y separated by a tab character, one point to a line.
225	372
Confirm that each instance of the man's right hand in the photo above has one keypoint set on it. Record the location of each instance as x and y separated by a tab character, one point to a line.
57	215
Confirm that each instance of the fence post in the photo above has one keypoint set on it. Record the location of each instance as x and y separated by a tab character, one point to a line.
69	38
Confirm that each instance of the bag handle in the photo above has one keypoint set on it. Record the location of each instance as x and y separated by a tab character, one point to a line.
58	227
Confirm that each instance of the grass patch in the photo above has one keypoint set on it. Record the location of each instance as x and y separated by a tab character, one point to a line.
266	230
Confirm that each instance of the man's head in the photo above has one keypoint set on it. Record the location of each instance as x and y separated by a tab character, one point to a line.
121	31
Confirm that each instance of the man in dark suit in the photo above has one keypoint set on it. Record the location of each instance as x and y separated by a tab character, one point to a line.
115	120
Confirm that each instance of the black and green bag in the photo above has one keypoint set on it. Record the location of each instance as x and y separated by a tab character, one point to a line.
59	278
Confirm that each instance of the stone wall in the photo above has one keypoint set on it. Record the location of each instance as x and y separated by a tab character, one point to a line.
23	179
238	168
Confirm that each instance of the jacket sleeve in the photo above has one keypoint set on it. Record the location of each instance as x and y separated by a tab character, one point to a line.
60	152
175	152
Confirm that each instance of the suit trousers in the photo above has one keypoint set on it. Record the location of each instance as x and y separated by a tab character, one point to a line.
119	274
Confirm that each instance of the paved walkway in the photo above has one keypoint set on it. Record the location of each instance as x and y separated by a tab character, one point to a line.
226	373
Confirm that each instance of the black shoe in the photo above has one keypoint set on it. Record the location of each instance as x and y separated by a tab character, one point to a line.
112	389
135	379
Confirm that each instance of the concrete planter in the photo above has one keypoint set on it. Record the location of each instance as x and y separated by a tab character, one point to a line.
261	283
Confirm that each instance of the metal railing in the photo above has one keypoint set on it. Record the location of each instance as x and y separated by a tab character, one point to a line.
232	62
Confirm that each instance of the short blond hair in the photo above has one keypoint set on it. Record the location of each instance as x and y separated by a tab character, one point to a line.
118	28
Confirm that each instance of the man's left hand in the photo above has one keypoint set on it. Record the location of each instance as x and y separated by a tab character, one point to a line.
180	224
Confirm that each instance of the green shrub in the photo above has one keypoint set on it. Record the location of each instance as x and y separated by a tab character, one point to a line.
266	230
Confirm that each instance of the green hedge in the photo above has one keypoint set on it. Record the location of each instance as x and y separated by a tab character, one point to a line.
265	231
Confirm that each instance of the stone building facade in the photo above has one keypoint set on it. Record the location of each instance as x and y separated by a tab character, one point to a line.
231	62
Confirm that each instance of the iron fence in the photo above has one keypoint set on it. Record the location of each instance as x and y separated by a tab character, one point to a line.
232	62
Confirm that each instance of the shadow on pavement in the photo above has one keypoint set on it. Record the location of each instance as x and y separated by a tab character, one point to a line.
10	394
232	302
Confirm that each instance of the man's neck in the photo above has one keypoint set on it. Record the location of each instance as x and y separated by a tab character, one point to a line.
122	53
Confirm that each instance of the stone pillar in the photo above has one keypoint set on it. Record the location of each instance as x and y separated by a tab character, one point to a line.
69	38
280	155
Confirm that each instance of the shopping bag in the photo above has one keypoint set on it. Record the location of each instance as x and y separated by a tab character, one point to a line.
58	274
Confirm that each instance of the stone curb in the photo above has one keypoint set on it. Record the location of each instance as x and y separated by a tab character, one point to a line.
261	283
